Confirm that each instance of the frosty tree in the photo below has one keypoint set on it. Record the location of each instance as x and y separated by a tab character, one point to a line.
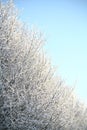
31	98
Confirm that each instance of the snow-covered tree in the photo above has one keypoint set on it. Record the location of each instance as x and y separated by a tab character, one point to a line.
31	97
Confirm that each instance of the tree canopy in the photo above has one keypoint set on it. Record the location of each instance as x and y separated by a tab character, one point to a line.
31	97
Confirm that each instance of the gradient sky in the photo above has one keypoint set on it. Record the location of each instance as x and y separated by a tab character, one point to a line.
64	23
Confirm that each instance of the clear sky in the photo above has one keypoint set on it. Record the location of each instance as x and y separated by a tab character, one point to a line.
64	23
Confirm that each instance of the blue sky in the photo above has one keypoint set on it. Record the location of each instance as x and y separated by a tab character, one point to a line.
64	23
